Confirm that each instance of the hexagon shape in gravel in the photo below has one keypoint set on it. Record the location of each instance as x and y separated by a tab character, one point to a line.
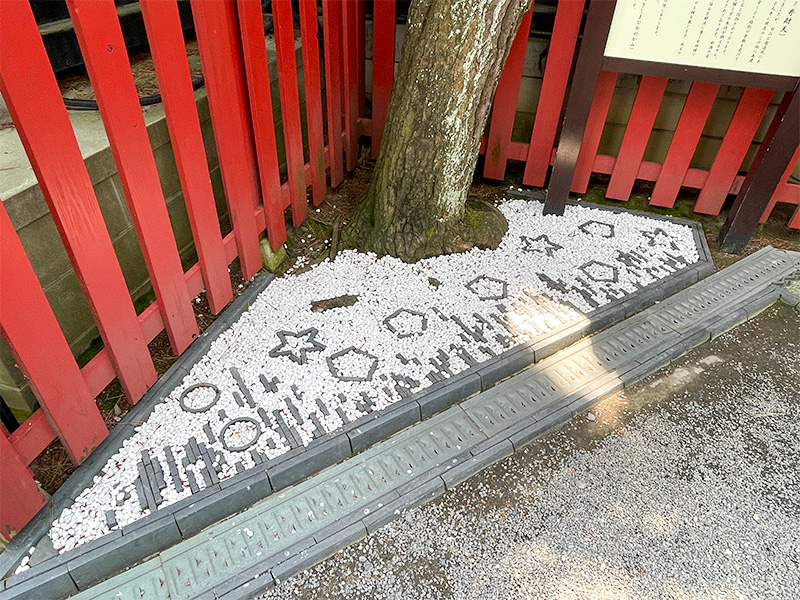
352	364
406	322
488	288
598	228
598	271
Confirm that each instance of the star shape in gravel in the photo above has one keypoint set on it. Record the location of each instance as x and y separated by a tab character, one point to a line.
539	244
296	345
658	235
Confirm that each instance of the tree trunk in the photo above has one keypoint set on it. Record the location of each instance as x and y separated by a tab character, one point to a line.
453	54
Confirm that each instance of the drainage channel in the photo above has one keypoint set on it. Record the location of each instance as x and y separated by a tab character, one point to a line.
290	531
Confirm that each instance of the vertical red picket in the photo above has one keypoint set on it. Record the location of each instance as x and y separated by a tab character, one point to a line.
216	27
165	35
313	90
34	337
554	86
505	104
251	25
774	199
100	37
637	134
22	500
383	26
290	108
771	132
684	142
601	102
744	124
361	53
332	34
46	132
350	81
794	223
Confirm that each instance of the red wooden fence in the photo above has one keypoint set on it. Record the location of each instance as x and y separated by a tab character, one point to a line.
232	51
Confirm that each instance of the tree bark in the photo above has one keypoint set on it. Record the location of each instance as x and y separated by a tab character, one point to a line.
452	57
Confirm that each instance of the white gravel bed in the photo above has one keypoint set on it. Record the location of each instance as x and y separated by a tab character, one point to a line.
694	498
302	374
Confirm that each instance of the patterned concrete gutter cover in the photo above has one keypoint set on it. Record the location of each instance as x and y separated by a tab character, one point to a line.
290	531
248	442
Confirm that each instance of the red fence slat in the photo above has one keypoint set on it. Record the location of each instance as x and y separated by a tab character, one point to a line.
684	142
100	38
361	52
165	36
772	130
34	338
794	223
251	25
46	132
782	190
601	102
383	26
505	104
637	134
744	124
313	92
216	27
33	436
290	108
332	30
554	86
21	501
350	81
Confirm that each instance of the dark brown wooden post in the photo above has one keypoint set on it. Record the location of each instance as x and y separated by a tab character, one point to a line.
579	103
763	177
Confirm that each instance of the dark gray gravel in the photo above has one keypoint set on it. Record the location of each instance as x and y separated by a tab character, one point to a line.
686	486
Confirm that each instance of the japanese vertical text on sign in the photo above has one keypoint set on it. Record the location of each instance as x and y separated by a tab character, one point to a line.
756	36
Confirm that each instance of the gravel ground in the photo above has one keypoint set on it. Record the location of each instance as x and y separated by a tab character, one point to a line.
286	374
685	486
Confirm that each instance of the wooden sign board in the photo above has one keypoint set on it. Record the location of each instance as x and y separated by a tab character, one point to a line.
752	36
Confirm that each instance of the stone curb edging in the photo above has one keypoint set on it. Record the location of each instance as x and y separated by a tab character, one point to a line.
190	515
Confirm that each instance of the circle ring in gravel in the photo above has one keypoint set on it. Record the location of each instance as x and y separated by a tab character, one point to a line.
246	445
203	408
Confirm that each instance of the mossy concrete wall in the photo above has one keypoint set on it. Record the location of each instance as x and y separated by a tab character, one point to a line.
25	204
